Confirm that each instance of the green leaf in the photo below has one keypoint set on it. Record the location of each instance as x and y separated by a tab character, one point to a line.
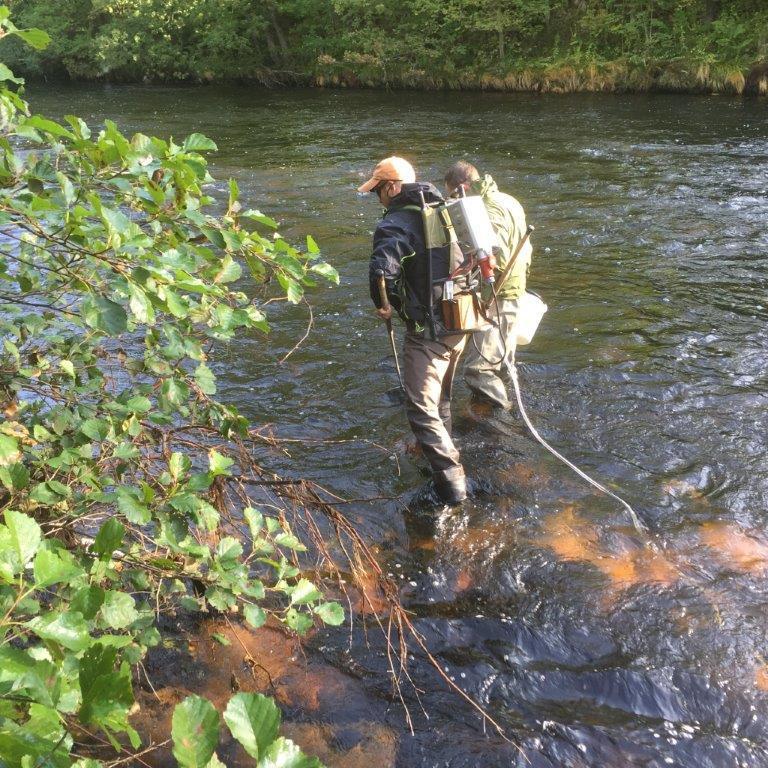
229	269
68	367
220	599
118	610
175	391
67	629
283	753
25	534
254	588
214	762
312	246
255	616
207	515
15	477
105	315
88	601
54	568
43	494
109	538
293	291
228	550
67	188
196	142
140	305
255	520
326	271
103	688
96	429
7	75
254	720
205	379
220	639
195	731
139	404
179	465
331	613
289	541
304	592
234	192
259	218
34	37
218	464
116	221
9	450
298	622
128	502
49	126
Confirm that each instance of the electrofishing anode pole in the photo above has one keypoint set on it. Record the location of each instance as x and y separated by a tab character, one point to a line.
512	259
387	306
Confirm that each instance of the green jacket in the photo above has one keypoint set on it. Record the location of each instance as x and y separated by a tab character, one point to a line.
508	219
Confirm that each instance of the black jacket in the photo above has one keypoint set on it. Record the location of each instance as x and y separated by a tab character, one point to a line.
400	252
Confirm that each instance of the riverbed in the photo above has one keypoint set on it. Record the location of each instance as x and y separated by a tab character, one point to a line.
590	646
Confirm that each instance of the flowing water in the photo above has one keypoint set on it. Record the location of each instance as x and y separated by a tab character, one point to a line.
649	370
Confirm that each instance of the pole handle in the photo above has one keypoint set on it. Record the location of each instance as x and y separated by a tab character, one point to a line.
382	289
523	240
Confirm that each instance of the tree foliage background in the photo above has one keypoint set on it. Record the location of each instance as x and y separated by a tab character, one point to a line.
454	42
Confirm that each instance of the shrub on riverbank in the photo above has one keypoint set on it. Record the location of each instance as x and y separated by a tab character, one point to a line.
127	490
541	45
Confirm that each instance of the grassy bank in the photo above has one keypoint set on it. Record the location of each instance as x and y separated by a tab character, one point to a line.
565	77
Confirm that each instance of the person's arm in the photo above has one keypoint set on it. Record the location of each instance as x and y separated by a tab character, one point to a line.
391	244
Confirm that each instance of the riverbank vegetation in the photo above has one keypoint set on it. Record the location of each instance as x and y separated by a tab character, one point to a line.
128	492
529	45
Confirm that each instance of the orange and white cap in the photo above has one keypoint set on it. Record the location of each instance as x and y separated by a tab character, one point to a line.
390	169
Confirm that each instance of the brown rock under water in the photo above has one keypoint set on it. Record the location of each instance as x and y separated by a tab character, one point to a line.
573	538
271	662
734	547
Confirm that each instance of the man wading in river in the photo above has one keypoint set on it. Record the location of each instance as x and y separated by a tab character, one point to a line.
486	353
400	253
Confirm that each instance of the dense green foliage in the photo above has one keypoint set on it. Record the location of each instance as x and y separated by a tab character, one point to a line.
598	44
124	482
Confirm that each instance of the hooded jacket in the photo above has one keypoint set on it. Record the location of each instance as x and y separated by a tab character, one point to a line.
508	220
399	250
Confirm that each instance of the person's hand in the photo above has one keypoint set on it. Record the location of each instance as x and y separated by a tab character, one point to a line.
384	314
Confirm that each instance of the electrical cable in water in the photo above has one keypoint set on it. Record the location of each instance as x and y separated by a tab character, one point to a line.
512	368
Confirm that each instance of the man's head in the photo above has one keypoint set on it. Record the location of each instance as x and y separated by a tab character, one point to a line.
388	178
460	175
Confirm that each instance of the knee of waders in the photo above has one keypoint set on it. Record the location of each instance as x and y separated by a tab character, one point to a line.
451	485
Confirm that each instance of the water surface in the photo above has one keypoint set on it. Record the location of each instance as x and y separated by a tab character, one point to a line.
650	370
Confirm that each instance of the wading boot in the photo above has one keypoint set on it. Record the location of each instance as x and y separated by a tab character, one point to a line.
451	485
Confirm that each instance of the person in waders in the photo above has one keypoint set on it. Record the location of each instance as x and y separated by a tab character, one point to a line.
485	367
431	355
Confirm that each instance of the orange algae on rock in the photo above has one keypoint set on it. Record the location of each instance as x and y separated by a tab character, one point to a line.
574	538
735	548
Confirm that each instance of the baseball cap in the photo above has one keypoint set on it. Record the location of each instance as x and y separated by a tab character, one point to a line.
390	169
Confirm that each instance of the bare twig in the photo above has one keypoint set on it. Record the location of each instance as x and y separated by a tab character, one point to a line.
306	333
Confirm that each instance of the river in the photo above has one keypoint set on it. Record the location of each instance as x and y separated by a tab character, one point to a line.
649	370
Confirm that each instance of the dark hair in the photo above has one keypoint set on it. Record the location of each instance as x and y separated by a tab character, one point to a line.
460	172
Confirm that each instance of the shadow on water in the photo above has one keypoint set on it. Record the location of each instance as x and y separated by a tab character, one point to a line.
650	370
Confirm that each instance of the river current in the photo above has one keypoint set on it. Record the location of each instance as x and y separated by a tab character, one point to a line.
649	370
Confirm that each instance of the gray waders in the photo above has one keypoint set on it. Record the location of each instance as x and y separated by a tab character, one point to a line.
428	372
